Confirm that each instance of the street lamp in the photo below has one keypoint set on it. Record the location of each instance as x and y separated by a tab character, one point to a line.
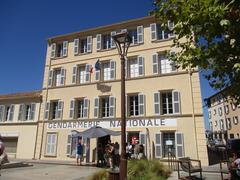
122	41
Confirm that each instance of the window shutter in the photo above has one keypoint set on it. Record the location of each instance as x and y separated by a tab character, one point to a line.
50	77
158	145
155	63
176	102
179	144
69	144
74	74
99	41
85	109
97	75
140	34
142	140
140	65
2	108
111	106
112	69
32	111
62	76
11	112
157	103
87	73
72	108
141	104
171	27
60	109
21	112
153	28
96	107
126	69
173	64
113	45
46	113
53	50
65	48
89	44
76	46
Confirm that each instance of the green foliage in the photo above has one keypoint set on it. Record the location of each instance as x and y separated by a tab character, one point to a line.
100	175
207	34
147	169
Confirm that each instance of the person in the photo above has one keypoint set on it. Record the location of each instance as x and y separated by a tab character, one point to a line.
128	150
3	154
79	154
136	149
116	154
235	167
100	161
141	152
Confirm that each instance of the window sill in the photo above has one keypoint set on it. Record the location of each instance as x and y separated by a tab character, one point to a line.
47	155
57	58
162	40
104	50
82	54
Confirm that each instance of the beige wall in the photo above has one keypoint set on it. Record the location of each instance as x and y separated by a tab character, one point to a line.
190	121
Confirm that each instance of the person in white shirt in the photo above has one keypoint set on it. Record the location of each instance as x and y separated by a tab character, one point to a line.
235	174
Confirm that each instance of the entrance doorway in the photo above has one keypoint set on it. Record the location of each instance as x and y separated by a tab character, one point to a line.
168	143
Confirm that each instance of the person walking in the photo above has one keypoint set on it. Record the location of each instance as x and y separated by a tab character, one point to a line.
79	154
3	154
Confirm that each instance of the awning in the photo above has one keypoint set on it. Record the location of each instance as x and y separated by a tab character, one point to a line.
95	132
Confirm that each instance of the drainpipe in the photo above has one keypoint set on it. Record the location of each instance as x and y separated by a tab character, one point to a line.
193	109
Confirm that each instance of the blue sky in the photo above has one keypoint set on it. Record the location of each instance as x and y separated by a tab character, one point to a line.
26	25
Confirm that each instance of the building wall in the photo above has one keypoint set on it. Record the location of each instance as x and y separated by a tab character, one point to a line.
22	132
189	121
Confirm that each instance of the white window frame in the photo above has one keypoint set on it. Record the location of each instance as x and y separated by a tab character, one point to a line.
52	144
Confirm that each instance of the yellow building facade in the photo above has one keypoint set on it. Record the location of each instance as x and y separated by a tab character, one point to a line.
19	114
81	89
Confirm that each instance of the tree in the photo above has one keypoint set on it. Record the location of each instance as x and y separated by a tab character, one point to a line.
208	36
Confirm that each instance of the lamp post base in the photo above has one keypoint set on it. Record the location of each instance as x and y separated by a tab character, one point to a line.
123	168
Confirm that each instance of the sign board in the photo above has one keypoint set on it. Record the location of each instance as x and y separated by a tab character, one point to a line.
169	142
131	123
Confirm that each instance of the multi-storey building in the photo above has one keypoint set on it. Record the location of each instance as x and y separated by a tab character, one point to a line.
19	114
164	107
223	114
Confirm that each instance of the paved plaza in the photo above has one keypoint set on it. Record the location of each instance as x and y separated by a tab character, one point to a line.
48	171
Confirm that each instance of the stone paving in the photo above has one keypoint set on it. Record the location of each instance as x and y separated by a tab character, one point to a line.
48	172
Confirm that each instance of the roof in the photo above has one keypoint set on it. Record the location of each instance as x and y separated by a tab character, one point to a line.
22	95
102	28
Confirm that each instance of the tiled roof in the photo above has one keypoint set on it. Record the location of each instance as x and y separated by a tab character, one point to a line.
22	95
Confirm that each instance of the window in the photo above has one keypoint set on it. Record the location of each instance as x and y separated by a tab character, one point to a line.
133	34
158	33
228	123
220	111
216	123
106	72
53	110
85	45
209	115
168	143
210	126
221	124
135	67
214	112
6	113
56	77
231	136
135	104
26	112
79	108
51	144
81	74
106	41
104	107
233	106
226	109
166	102
59	50
235	120
162	65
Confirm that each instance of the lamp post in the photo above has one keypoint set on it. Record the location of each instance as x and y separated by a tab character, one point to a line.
122	41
